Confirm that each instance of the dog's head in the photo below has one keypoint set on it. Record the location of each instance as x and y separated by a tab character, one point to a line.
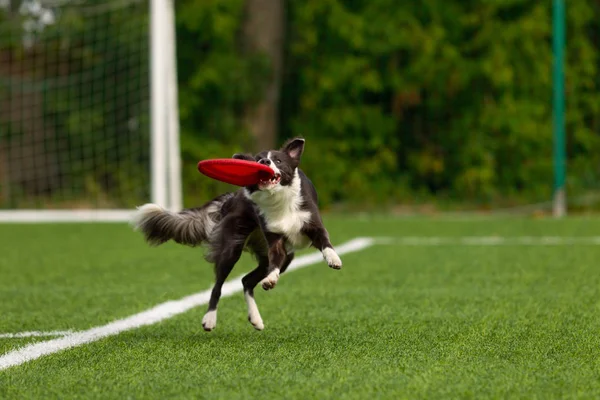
283	162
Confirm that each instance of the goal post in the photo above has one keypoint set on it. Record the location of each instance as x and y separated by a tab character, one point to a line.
89	119
558	108
175	200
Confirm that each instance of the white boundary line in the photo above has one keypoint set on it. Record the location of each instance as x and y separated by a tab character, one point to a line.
62	216
33	334
489	240
154	315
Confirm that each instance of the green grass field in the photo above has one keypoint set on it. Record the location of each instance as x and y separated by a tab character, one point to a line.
511	319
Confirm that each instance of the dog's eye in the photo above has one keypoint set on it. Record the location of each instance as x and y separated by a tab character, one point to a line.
277	162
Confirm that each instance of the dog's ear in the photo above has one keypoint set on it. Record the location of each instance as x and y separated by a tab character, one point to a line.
294	148
247	157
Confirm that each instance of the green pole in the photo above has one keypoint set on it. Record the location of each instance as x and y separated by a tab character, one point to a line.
558	44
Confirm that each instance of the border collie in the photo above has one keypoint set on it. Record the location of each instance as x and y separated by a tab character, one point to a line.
271	220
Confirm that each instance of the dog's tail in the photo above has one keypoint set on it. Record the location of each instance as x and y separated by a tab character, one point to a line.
190	227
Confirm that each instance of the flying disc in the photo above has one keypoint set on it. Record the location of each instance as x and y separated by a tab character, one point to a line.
235	172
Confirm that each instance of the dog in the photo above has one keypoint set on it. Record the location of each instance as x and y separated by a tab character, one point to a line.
271	220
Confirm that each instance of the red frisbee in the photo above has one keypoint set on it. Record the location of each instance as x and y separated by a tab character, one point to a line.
235	172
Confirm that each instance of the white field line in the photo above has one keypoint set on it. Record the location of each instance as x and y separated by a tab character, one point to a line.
489	240
154	315
33	334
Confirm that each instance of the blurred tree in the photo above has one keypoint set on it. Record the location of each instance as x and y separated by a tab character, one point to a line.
218	82
448	98
431	98
263	34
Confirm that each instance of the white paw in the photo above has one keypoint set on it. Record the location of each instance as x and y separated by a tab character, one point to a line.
271	280
253	314
333	260
256	322
209	321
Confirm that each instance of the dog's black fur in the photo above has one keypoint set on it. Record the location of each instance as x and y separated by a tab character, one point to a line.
271	220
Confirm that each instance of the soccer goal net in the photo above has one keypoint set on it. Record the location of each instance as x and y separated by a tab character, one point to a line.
88	111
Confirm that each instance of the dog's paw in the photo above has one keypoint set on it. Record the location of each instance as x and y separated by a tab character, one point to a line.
271	280
256	322
209	322
333	260
253	313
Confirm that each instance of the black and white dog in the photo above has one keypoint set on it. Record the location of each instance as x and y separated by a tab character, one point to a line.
271	220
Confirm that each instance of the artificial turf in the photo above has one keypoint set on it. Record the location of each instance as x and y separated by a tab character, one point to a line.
447	321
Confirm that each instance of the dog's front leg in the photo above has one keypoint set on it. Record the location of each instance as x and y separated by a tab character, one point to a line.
277	257
320	240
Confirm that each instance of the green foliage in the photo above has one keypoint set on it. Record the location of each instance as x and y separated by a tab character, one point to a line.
444	98
217	83
441	97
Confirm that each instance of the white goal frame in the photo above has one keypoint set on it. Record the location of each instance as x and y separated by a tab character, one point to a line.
165	156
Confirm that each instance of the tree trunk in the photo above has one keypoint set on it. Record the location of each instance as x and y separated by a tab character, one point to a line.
263	33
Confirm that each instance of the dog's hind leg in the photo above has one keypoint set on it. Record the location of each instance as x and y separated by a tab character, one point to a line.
277	257
225	252
287	262
250	281
272	278
223	268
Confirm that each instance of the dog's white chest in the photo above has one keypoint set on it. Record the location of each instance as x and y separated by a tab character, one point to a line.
282	213
287	221
290	225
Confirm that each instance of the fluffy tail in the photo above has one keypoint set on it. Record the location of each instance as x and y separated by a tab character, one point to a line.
189	227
